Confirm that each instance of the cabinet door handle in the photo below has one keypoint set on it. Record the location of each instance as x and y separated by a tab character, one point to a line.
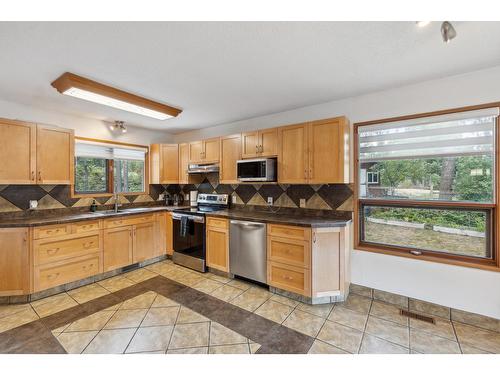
39	175
261	149
256	149
32	175
305	174
310	173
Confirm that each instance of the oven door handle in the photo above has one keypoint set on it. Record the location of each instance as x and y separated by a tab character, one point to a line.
196	219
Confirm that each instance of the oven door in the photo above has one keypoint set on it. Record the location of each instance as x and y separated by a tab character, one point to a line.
193	243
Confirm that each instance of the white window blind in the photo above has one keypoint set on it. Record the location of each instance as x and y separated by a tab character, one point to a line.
106	151
463	133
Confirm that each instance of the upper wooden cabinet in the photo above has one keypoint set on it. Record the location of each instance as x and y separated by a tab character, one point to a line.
54	155
293	164
325	148
230	147
164	164
35	154
329	151
261	143
183	163
206	151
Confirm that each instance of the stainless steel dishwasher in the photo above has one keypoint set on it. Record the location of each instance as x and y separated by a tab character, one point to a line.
247	250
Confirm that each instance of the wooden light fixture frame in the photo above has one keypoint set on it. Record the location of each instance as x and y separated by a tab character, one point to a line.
70	80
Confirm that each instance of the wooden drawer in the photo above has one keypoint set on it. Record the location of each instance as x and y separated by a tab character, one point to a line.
217	223
290	278
289	251
49	251
51	231
52	275
85	226
128	220
289	231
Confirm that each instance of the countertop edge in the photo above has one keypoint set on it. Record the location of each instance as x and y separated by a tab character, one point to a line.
326	223
18	223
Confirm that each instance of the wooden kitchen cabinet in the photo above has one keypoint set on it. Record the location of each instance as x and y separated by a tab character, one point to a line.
14	261
196	152
183	163
160	233
313	262
54	155
170	234
293	163
144	242
35	154
314	153
206	151
261	143
118	247
17	152
218	244
329	151
230	147
164	164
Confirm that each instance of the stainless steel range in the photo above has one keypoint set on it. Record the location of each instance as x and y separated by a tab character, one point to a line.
189	230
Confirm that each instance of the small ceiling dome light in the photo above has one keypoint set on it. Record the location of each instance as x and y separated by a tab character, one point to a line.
422	23
448	32
118	126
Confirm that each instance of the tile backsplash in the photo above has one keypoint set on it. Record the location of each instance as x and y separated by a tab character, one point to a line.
15	198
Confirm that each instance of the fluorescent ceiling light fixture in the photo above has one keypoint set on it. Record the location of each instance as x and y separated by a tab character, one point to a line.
423	23
86	89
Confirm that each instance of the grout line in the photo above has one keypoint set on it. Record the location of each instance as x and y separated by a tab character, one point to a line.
137	328
456	336
364	328
99	331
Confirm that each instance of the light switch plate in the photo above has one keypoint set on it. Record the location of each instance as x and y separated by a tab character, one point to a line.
269	201
302	203
33	204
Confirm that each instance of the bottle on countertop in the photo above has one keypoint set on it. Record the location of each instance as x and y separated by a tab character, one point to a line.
93	206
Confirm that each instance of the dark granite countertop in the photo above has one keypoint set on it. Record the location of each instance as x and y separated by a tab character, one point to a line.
39	218
300	217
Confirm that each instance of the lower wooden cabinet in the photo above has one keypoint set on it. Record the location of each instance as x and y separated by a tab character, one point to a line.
54	274
117	249
218	244
291	278
14	261
144	242
310	262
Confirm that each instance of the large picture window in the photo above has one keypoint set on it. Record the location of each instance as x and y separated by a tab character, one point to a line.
106	168
426	186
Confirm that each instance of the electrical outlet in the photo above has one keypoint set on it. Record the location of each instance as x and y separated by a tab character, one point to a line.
269	201
33	204
302	203
161	197
233	199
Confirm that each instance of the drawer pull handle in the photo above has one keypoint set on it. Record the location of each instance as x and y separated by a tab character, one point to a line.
287	277
86	267
53	275
53	251
88	244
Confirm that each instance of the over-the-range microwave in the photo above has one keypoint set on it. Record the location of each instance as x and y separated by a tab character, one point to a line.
253	170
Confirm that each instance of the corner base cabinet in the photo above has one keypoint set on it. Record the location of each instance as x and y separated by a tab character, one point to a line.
312	262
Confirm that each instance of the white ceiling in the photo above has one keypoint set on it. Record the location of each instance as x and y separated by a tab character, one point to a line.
222	72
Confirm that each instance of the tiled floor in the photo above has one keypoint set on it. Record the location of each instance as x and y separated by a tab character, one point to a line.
188	312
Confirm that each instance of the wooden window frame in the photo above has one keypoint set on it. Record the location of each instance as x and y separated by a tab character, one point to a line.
446	258
110	166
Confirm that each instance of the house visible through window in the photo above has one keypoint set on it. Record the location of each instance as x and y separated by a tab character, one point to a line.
427	185
105	168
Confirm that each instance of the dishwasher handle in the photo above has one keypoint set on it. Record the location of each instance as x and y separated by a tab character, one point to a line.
247	224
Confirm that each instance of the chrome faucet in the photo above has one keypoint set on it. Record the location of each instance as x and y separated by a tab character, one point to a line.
117	202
